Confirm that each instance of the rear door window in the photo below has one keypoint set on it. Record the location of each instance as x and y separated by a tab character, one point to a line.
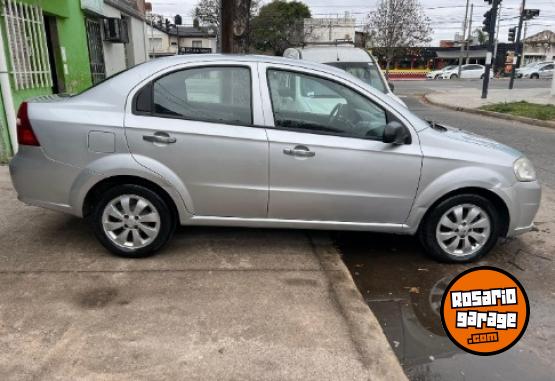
213	94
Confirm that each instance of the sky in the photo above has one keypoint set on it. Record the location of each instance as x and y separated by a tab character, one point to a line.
447	15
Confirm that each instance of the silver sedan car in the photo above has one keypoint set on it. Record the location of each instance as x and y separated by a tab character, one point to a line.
264	142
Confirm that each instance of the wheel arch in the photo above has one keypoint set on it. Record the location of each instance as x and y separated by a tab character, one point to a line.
114	169
494	198
94	194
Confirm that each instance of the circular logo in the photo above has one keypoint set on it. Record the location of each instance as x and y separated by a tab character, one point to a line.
485	310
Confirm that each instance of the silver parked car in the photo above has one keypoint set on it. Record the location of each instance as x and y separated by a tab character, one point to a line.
264	142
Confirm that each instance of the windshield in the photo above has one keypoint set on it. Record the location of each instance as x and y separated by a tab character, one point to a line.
450	67
366	71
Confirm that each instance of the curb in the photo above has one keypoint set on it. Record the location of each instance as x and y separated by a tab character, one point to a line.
498	115
366	333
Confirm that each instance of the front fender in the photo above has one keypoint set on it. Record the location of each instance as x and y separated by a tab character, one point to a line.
465	177
125	165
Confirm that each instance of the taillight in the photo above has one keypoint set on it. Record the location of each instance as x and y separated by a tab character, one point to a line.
25	134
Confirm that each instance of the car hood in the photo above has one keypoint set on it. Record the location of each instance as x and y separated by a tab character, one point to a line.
435	72
454	143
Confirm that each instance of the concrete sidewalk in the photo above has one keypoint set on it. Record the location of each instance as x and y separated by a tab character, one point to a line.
471	98
217	304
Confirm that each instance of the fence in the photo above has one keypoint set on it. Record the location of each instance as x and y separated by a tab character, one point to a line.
27	45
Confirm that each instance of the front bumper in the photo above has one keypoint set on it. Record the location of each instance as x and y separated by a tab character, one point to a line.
524	204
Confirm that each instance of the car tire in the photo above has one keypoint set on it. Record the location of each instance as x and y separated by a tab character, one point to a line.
437	77
483	76
454	76
535	76
448	243
132	221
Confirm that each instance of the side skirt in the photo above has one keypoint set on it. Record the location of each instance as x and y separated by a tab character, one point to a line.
296	224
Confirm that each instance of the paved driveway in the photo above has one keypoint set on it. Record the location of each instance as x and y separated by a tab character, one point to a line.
216	304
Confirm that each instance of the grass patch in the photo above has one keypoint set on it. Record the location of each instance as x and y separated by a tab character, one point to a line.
529	110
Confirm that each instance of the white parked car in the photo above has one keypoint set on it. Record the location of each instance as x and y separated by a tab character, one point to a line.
542	70
438	74
353	60
471	71
521	70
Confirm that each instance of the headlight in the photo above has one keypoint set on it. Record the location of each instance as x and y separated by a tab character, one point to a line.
524	170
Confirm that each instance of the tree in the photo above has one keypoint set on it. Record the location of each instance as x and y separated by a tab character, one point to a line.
481	36
208	12
399	24
279	25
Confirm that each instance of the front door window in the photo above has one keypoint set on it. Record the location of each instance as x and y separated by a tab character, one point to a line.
312	104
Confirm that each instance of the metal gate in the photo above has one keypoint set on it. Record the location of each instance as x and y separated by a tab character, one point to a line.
96	53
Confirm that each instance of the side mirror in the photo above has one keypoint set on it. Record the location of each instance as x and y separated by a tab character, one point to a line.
396	133
391	86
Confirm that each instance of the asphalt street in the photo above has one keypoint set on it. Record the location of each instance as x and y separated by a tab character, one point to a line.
538	143
423	87
403	286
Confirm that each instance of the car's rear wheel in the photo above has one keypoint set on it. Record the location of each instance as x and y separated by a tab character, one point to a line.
454	76
132	221
462	228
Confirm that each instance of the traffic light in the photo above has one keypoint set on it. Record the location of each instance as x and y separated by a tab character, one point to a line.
529	14
487	22
512	34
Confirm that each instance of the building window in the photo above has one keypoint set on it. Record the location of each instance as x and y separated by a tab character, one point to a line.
96	50
156	43
197	44
27	45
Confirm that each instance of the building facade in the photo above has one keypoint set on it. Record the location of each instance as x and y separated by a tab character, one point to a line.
62	46
171	39
116	35
322	30
539	47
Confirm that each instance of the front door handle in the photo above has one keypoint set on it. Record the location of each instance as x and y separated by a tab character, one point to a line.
160	137
299	151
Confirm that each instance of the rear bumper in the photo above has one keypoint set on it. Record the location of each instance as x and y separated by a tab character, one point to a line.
41	181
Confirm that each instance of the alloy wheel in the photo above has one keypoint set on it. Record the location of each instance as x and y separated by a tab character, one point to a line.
463	230
131	221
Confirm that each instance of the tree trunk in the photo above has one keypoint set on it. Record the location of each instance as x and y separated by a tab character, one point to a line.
235	25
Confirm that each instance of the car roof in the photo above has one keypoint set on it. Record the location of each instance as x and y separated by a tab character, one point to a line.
330	53
117	88
178	59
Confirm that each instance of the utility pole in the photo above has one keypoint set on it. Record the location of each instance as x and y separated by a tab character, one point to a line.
461	54
516	63
497	39
524	35
525	15
490	23
469	39
235	16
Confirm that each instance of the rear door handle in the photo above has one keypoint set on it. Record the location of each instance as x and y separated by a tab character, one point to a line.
160	137
299	151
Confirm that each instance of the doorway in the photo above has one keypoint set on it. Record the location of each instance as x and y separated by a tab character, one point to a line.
54	51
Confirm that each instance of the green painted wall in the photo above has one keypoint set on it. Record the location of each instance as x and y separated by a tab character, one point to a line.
72	36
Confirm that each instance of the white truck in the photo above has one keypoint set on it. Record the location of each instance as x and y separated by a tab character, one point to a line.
353	60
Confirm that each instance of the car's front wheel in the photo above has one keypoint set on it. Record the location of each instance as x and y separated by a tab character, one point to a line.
132	221
535	76
462	228
454	76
